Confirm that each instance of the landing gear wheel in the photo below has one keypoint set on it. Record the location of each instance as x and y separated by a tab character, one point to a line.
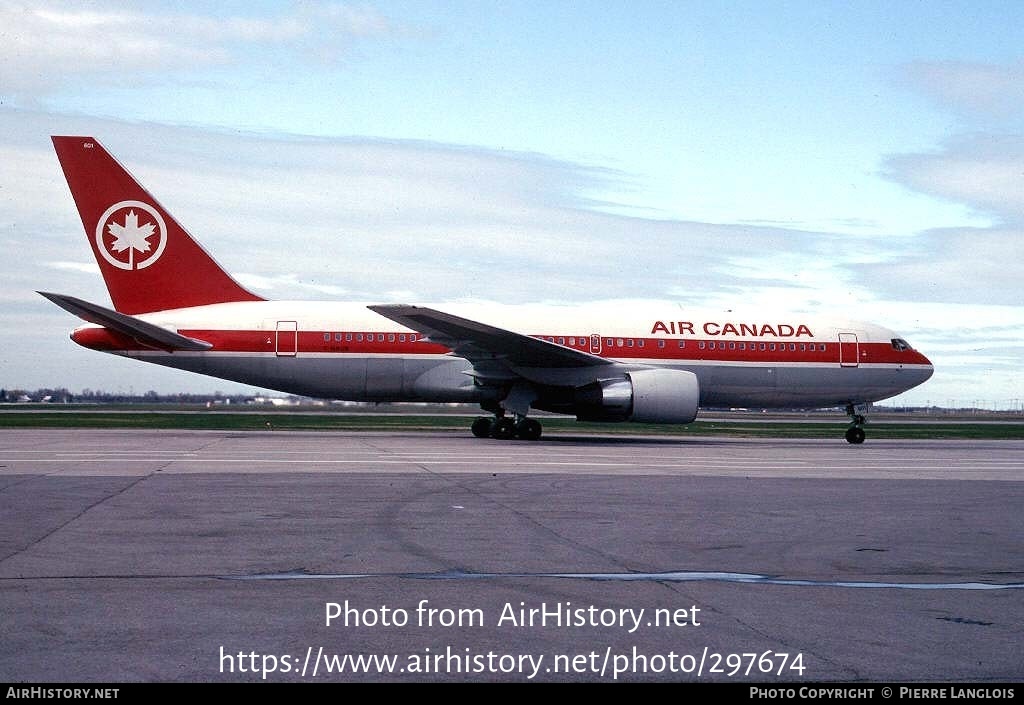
528	430
482	427
503	429
858	417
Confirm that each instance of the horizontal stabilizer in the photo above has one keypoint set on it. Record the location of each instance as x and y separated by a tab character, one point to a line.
146	333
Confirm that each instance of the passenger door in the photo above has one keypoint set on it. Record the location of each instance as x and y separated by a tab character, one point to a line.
287	340
849	350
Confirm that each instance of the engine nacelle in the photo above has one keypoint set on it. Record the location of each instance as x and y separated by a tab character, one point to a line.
644	396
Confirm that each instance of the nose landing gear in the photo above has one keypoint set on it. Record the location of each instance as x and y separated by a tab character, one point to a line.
858	415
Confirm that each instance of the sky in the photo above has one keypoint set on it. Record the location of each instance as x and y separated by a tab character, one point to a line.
845	159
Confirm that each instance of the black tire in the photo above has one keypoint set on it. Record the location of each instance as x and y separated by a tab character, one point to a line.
528	430
503	429
482	427
855	435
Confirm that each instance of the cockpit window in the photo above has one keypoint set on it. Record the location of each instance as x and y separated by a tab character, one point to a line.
900	344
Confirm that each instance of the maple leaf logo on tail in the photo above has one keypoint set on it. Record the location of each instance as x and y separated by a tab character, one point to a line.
131	236
120	235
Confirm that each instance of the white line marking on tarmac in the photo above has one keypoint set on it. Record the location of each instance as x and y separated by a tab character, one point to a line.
671	576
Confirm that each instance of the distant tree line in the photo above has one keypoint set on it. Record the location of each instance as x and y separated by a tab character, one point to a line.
98	396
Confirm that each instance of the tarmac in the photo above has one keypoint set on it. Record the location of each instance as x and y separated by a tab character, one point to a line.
206	556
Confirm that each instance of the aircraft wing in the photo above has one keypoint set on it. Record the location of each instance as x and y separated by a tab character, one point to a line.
146	333
479	342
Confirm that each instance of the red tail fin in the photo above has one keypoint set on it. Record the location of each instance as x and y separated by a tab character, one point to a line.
148	260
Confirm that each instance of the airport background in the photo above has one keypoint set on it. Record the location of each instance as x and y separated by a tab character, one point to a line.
858	160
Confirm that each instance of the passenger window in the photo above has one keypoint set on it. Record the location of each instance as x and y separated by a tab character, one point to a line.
732	346
771	347
572	341
620	342
391	337
792	347
629	343
401	338
682	343
764	346
661	343
348	337
327	337
359	337
380	337
640	343
700	345
561	341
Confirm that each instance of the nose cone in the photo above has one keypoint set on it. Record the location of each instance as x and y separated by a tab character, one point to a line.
921	368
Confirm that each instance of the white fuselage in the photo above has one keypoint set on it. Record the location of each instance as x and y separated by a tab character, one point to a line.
346	351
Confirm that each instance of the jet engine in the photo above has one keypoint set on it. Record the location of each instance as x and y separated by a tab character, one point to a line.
644	396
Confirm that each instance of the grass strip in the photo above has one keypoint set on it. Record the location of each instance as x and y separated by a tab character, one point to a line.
227	421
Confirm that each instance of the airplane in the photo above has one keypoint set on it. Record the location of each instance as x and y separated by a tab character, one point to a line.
173	305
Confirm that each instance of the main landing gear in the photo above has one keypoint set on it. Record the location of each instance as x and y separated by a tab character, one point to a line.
504	428
858	416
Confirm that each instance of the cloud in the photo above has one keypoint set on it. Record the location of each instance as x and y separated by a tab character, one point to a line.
84	267
955	265
363	218
985	171
959	288
47	46
975	89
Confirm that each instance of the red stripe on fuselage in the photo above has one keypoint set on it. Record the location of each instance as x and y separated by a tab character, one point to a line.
732	351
